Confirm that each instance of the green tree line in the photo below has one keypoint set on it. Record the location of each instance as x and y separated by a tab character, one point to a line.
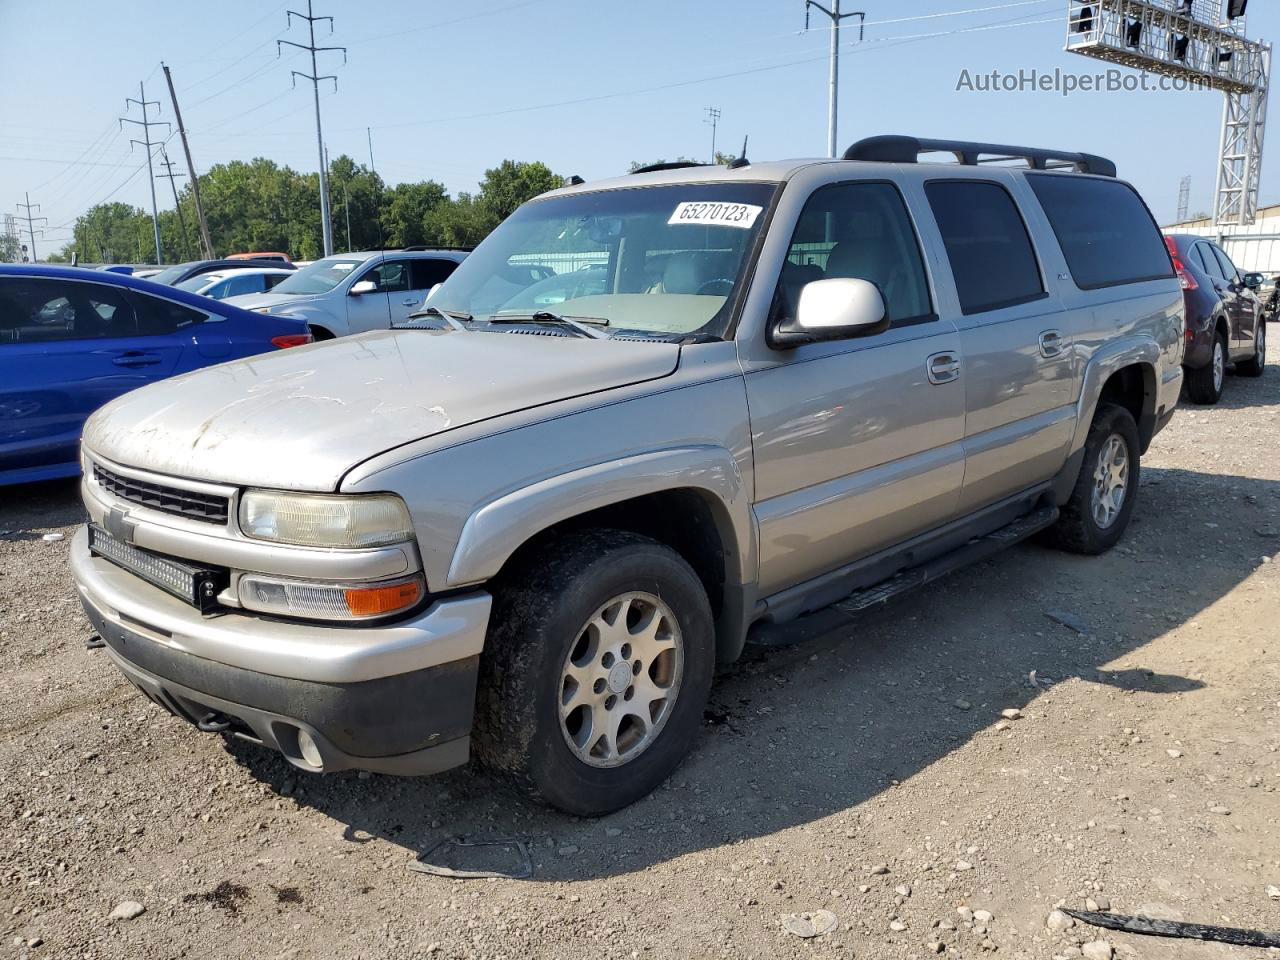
261	205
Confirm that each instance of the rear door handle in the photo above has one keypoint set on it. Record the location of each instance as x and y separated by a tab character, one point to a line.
1051	344
943	368
136	359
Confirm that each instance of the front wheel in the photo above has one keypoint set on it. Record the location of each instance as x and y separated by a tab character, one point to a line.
596	671
1257	364
1095	517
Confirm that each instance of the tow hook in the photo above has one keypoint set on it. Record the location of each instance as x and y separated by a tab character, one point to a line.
94	642
214	723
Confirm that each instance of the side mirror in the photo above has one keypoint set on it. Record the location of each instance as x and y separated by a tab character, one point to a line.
1253	280
362	287
837	308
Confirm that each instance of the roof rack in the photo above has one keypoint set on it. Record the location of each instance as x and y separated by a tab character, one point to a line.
896	149
669	165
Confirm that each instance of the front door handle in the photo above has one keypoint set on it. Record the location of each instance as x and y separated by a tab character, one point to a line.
943	368
411	302
135	359
1051	344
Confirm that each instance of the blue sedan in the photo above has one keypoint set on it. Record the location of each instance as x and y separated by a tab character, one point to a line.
73	339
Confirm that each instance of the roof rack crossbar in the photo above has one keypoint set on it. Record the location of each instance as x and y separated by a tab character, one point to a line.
898	149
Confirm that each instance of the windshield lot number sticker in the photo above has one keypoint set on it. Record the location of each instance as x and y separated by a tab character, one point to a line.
741	215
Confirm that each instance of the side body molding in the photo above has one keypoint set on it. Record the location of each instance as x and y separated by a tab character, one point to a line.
494	531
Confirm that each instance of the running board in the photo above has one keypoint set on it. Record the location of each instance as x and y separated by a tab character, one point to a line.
842	612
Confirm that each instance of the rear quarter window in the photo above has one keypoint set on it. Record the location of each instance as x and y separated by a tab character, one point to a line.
1106	232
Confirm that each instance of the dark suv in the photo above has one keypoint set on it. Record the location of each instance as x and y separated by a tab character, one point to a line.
1224	316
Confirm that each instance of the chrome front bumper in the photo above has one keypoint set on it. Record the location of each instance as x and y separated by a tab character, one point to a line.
447	631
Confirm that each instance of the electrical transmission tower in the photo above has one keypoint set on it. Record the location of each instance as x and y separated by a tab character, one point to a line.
31	228
713	118
1200	43
834	82
146	123
170	176
315	79
1184	198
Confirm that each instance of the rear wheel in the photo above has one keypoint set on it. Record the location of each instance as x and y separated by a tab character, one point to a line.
596	671
1257	364
1204	385
1095	517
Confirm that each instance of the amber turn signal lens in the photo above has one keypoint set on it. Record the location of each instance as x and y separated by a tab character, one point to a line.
376	601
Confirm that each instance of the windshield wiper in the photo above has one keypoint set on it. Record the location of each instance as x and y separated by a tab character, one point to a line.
546	316
451	317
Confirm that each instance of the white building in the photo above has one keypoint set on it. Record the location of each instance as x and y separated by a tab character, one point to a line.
1255	247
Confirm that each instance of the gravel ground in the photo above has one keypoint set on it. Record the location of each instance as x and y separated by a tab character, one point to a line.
869	774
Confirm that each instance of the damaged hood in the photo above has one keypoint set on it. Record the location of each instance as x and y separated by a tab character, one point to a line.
301	418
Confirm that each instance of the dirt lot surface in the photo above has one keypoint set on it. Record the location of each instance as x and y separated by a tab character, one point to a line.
869	774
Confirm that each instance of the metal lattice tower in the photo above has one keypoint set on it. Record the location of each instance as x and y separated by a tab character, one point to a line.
1184	198
1190	40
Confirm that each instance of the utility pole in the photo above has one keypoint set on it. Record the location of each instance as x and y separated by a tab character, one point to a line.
146	123
182	223
315	79
346	199
1184	198
191	168
713	118
31	230
836	17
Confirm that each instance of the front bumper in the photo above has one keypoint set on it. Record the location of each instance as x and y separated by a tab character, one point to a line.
394	699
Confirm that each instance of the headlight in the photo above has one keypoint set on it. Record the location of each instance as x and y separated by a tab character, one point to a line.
330	601
260	309
318	520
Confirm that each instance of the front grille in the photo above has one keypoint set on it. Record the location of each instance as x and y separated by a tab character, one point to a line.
181	503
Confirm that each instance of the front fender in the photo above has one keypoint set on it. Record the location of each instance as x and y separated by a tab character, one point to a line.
494	531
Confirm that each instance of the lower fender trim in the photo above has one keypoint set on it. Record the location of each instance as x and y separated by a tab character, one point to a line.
1125	352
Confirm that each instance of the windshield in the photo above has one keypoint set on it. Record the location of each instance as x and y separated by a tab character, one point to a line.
658	260
319	277
199	282
169	274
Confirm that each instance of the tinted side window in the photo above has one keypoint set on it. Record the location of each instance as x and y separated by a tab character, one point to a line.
987	244
1229	270
1209	262
273	278
425	274
1105	230
157	317
859	230
43	311
241	284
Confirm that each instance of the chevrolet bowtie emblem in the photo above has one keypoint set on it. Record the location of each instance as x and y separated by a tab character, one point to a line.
119	525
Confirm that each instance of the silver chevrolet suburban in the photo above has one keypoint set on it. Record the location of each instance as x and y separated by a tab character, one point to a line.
646	418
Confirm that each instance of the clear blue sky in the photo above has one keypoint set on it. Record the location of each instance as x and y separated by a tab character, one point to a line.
450	88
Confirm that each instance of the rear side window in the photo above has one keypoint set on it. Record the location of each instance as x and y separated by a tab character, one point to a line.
1105	230
425	274
1208	262
987	244
1229	270
157	317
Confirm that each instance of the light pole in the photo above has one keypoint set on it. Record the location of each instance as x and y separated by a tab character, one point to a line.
835	16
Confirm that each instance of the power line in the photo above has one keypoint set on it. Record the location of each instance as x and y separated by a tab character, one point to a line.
31	230
315	78
147	123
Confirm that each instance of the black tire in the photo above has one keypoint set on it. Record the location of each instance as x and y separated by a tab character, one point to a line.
1077	529
1201	387
1256	365
540	610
